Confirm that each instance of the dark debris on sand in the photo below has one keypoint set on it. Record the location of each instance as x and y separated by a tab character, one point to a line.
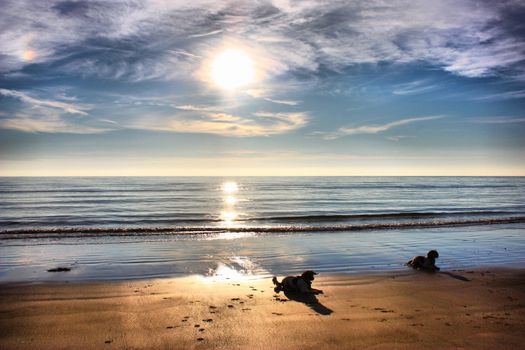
59	269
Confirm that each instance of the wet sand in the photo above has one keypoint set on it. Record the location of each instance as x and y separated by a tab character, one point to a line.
475	309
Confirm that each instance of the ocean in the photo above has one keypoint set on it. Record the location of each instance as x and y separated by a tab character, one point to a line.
137	227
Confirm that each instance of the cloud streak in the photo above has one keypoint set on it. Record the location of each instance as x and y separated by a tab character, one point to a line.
373	129
46	115
498	120
32	101
46	122
225	124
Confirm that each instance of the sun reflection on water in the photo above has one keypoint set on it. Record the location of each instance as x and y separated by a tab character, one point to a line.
229	215
231	200
230	187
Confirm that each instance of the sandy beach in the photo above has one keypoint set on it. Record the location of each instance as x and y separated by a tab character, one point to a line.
475	309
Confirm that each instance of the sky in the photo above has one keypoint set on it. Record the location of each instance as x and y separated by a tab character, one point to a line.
277	88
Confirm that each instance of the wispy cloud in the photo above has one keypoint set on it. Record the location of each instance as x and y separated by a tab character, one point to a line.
198	108
47	115
46	122
373	129
398	138
413	88
498	120
469	38
506	95
213	32
33	101
283	102
263	94
225	124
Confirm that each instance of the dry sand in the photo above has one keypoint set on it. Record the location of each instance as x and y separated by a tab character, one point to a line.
481	309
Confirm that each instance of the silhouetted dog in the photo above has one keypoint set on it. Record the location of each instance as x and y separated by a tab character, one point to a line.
427	263
297	284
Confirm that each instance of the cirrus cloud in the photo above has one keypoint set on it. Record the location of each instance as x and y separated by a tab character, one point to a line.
137	40
225	124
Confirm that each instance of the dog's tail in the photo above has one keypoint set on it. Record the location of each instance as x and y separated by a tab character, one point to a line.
278	285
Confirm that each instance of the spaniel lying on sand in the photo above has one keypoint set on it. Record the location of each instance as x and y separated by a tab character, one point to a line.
427	263
297	284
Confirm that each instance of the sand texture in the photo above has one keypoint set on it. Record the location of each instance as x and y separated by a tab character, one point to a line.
480	309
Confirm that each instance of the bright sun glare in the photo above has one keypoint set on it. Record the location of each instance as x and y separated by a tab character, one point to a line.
232	69
230	187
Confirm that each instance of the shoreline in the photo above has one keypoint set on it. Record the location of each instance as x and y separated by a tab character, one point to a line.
107	259
478	308
403	270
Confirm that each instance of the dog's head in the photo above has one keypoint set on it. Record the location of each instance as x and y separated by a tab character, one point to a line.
309	275
433	254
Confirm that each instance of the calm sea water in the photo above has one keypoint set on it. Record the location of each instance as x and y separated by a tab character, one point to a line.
134	227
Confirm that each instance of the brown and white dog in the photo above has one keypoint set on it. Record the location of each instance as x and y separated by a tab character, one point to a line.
427	263
297	284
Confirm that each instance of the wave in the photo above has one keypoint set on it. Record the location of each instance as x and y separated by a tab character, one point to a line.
119	219
188	230
403	215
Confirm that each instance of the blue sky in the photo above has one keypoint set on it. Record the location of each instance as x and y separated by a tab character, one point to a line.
338	88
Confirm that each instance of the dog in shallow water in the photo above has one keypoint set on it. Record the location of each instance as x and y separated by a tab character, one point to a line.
297	284
427	263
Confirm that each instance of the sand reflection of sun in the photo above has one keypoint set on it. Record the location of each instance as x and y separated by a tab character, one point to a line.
236	268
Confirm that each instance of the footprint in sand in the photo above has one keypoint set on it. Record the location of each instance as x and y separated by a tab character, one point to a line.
108	341
197	326
345	319
235	299
208	320
246	309
382	320
277	313
200	339
230	306
201	329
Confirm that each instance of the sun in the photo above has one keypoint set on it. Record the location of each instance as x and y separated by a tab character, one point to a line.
232	69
